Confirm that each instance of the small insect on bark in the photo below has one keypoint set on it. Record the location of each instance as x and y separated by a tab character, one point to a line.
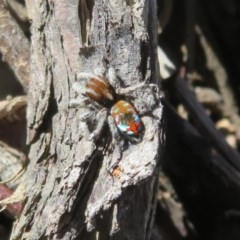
99	101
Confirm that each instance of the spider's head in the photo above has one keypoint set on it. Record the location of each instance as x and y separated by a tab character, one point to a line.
100	91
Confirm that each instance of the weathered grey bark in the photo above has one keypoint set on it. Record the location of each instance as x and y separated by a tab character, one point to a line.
14	46
70	192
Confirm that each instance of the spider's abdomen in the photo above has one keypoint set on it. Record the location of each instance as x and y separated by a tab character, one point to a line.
127	120
100	91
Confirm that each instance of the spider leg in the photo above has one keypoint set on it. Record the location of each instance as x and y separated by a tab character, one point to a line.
112	76
101	120
86	118
84	130
85	75
79	102
86	115
79	87
116	139
128	90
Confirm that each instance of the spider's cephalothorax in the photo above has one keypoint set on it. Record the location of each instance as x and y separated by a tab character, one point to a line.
98	89
105	104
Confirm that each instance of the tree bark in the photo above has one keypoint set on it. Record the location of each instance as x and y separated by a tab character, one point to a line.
14	46
70	193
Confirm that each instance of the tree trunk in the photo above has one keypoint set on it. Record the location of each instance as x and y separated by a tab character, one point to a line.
70	192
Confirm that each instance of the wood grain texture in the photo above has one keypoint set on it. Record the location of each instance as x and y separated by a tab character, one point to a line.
70	192
14	47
